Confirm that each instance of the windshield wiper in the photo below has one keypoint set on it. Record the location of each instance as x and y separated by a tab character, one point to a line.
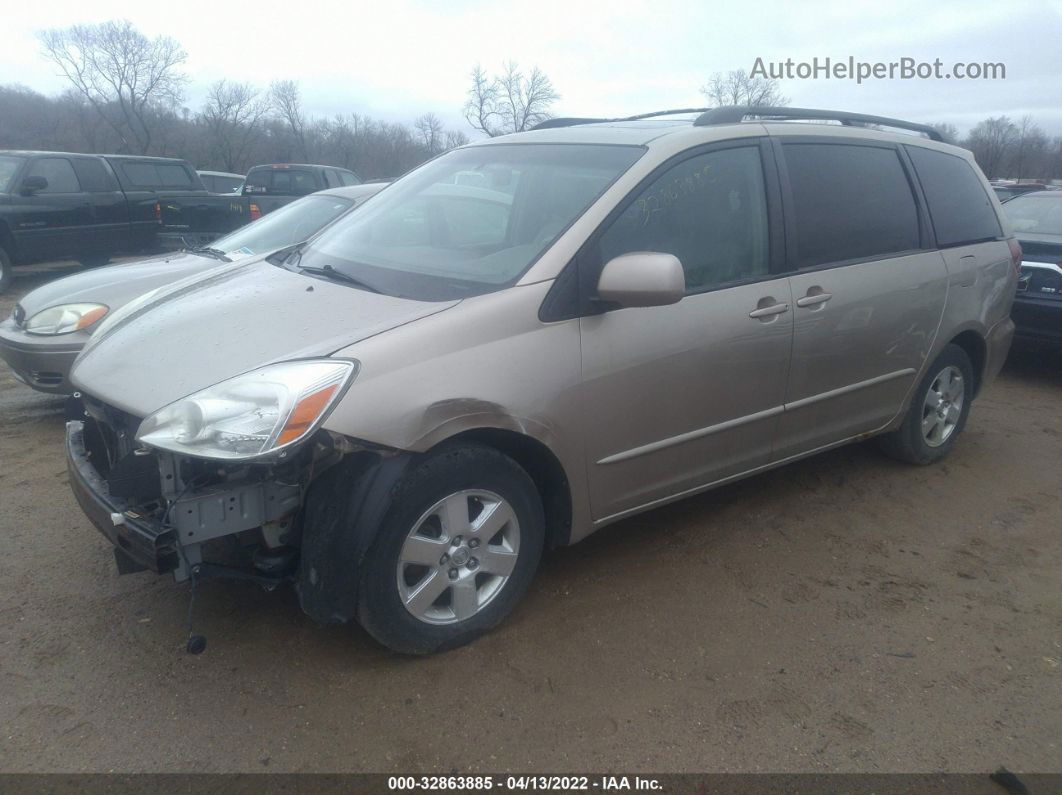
329	272
216	253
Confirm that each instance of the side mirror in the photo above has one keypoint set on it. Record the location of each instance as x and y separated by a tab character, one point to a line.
642	278
31	185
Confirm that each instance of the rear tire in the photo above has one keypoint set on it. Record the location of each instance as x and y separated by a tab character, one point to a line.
455	553
938	411
6	273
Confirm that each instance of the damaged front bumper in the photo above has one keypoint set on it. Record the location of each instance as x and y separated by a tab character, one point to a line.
158	517
140	542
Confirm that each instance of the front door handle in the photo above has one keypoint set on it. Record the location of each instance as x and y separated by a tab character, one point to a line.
767	311
814	300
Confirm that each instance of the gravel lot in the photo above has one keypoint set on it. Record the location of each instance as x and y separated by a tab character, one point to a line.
843	613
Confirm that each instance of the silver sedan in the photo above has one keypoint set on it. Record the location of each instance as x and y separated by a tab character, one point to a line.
51	324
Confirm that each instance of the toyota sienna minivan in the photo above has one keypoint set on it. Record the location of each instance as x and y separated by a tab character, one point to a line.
401	414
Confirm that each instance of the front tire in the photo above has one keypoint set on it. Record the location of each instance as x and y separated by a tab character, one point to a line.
938	410
454	554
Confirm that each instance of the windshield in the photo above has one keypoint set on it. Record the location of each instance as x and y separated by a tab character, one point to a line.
289	224
8	169
1037	214
470	221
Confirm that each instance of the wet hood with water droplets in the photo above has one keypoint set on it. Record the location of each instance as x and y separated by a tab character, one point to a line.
234	320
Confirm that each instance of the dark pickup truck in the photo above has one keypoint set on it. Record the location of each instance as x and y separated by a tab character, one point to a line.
192	222
60	205
276	184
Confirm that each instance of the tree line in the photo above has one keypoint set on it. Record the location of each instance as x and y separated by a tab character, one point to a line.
126	95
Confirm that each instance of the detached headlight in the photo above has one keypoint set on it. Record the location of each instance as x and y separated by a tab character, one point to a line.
66	318
252	414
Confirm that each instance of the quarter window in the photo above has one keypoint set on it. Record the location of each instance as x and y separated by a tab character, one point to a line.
958	202
849	202
710	211
58	172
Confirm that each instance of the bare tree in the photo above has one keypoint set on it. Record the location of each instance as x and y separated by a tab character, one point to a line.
949	132
1030	150
285	99
740	88
116	67
508	102
429	129
991	141
1053	159
455	138
233	117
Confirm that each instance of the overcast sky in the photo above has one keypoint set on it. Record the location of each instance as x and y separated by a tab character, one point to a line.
396	59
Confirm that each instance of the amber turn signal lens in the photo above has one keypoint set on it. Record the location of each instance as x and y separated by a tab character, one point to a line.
91	317
306	412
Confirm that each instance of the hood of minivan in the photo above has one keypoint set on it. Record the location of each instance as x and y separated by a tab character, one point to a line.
232	321
116	285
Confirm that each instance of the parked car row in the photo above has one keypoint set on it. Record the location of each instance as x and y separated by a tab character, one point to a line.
1006	190
525	340
85	207
59	205
1037	222
51	324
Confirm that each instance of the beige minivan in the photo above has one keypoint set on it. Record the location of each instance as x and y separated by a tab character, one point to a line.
533	336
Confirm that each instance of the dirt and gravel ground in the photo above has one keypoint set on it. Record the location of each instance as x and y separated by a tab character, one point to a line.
844	613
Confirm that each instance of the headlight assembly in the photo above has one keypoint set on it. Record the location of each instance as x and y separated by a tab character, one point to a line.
252	415
65	318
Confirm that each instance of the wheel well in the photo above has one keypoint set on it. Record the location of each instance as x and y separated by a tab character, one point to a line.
974	345
545	470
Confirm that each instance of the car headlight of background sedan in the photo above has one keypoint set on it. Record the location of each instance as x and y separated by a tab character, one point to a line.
65	318
253	414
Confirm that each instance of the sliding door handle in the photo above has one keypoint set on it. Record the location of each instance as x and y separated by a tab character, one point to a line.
814	300
767	311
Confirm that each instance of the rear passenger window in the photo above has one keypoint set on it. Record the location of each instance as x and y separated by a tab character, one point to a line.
173	176
93	176
156	175
849	202
142	175
710	211
58	172
958	203
348	178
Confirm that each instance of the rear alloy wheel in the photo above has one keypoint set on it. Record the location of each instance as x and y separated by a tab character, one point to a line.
455	553
942	406
938	410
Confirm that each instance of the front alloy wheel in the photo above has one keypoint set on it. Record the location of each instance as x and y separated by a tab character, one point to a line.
458	557
455	552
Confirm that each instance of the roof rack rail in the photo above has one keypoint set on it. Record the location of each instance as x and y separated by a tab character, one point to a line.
572	121
734	114
563	121
673	112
